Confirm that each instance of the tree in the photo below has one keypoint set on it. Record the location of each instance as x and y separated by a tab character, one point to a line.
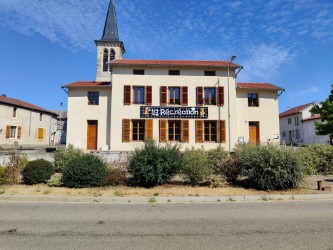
325	110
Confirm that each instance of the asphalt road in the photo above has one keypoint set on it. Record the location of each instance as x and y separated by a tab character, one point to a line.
239	225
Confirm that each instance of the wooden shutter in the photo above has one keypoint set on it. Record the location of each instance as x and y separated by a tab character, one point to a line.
163	96
149	129
222	134
220	96
127	95
40	134
184	96
126	130
185	131
199	131
163	130
148	95
8	131
199	96
19	131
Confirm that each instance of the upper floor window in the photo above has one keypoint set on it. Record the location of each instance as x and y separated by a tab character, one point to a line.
138	71
138	95
174	72
284	134
210	96
14	112
289	120
40	135
253	100
296	120
40	116
174	95
93	98
210	73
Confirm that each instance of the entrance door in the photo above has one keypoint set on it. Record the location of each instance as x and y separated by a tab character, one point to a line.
92	135
254	132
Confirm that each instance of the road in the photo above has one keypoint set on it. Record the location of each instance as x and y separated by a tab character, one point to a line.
237	225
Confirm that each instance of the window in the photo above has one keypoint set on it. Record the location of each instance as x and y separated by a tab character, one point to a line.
174	130
210	131
139	95
174	72
138	72
41	117
12	132
253	100
112	55
297	134
105	60
210	96
296	120
210	73
93	98
14	112
138	130
174	95
40	134
284	134
289	120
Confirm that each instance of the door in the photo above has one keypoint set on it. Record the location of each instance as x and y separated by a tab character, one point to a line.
290	136
92	135
254	132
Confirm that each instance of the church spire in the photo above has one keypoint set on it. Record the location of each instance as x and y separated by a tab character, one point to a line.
110	32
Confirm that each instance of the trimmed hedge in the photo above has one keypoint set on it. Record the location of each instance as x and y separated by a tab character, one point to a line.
38	171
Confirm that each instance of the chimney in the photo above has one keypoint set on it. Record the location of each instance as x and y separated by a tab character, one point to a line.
4	95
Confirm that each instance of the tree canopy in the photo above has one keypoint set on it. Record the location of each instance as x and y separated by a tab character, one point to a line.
325	110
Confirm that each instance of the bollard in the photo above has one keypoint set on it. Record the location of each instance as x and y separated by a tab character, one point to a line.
320	185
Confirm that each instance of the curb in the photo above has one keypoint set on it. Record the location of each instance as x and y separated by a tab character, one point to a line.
171	199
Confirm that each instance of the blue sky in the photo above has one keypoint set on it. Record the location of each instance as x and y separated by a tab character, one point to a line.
45	44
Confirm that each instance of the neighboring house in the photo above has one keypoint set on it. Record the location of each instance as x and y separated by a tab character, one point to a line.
195	103
297	126
61	131
25	123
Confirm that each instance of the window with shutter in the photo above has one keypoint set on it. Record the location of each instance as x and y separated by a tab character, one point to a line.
199	91
163	130
138	94
163	96
222	133
8	131
184	96
199	131
149	129
148	95
19	131
220	99
40	134
138	130
126	130
127	95
185	131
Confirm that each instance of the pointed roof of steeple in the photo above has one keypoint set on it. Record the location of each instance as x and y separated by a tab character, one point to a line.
110	32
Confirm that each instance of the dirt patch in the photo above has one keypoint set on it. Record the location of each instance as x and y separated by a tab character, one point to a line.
308	187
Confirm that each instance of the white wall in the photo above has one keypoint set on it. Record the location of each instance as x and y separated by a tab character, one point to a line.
310	136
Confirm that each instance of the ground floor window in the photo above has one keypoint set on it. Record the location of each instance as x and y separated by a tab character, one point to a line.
137	130
210	131
174	130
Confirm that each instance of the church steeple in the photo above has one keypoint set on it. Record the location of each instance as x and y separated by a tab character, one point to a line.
109	47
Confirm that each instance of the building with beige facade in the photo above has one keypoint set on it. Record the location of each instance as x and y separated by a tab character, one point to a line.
194	103
25	123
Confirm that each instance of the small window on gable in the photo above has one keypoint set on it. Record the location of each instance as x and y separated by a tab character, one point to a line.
210	73
40	116
253	100
14	112
93	98
174	72
105	60
138	71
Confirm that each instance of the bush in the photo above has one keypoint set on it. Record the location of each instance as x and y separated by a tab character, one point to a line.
114	176
217	158
38	171
318	159
230	169
153	165
85	170
196	167
3	175
17	162
270	167
55	180
63	155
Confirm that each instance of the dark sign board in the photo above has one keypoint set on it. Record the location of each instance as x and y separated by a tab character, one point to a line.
173	112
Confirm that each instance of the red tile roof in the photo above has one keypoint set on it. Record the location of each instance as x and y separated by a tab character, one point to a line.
315	117
19	103
295	110
176	63
87	84
257	85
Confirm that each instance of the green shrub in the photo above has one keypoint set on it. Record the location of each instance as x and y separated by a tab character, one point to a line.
3	175
308	160
196	167
230	169
55	180
17	162
114	177
64	155
37	171
217	158
318	159
270	167
153	165
85	170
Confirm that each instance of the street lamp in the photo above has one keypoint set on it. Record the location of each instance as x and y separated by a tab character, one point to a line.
228	82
